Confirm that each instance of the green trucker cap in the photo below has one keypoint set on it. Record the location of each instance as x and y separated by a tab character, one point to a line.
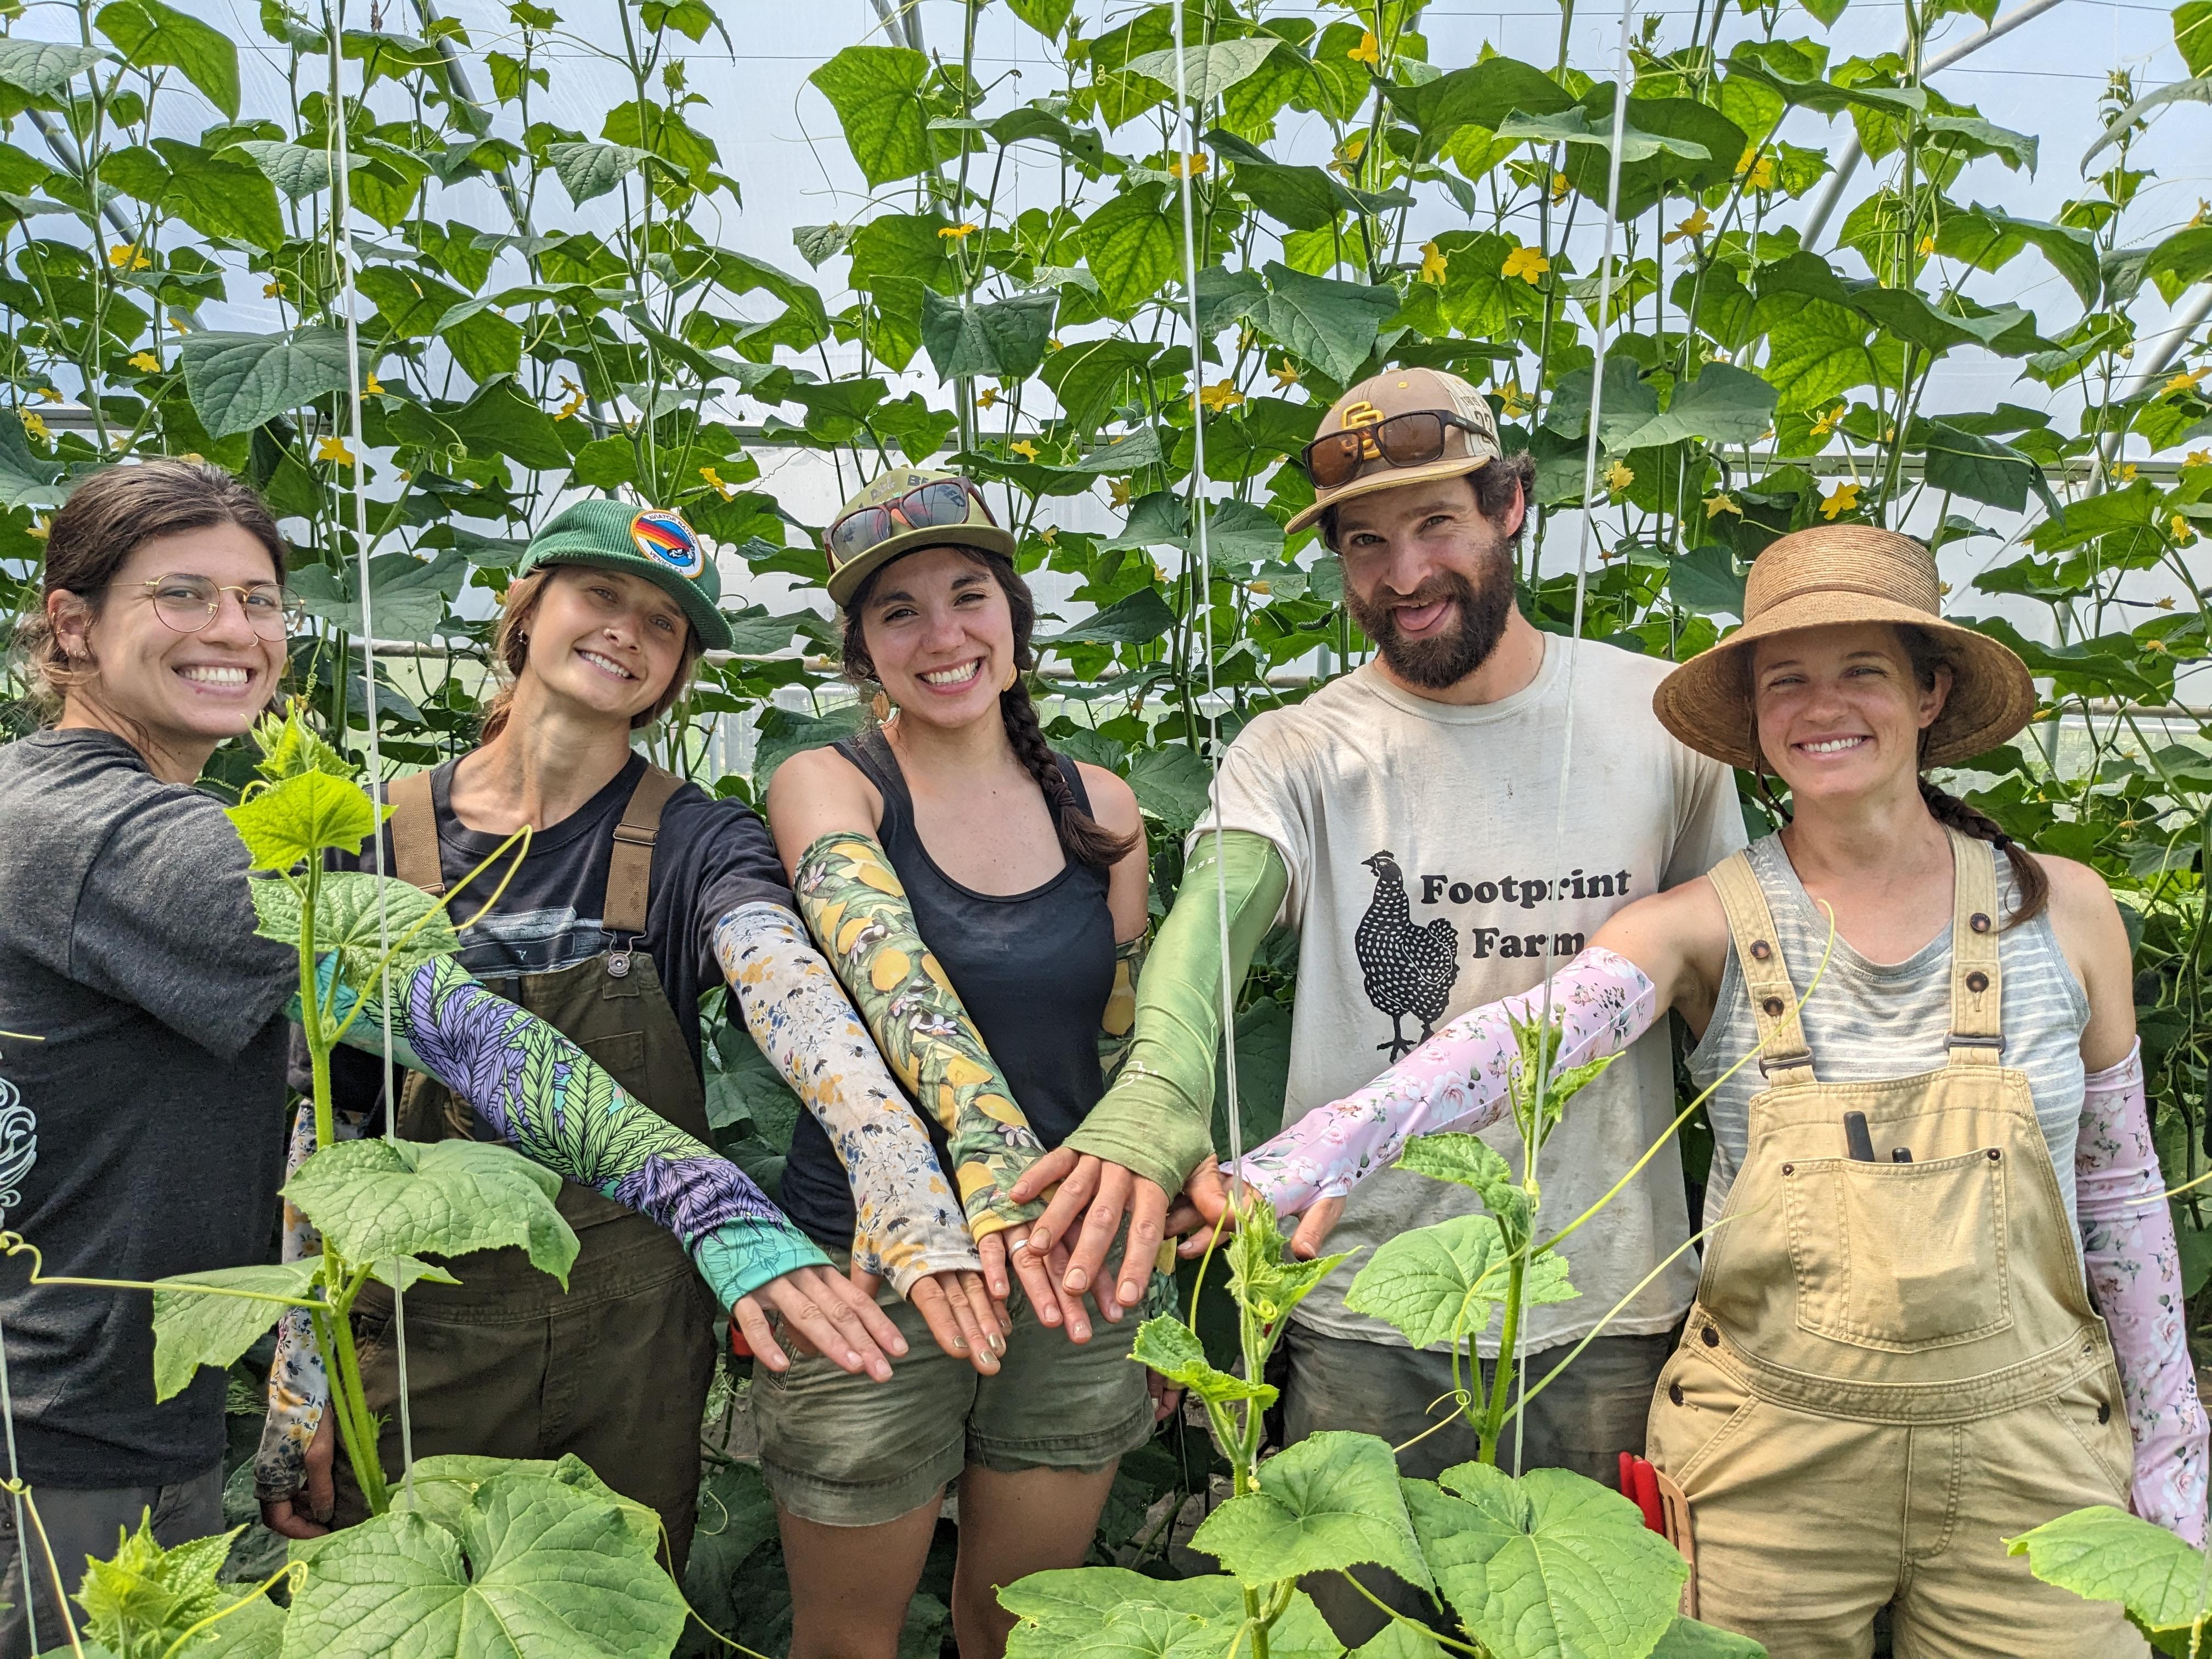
651	542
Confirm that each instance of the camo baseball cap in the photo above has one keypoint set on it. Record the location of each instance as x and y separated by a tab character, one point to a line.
651	542
1405	392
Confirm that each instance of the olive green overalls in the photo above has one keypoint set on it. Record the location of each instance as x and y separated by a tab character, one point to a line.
505	1364
1892	1366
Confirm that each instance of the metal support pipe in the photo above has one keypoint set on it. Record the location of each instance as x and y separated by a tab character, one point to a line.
1847	159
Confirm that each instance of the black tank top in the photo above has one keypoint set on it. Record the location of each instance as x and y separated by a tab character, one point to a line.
1034	970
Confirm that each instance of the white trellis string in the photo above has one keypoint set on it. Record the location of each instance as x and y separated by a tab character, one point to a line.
339	137
16	1478
1518	1360
1186	152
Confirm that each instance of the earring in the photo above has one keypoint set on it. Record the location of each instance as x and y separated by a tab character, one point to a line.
1012	674
879	708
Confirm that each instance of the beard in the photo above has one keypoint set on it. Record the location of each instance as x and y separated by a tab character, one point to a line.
1436	663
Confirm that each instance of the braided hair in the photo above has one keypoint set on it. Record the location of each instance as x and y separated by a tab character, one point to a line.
1082	838
2028	874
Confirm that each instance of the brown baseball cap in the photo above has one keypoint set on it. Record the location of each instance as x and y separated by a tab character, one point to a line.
1405	392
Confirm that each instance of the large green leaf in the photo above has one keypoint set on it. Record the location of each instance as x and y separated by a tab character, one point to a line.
1074	1611
587	170
407	596
1548	1566
192	1328
298	170
26	477
213	194
1575	125
1724	404
1332	324
1980	468
538	1570
152	34
1005	339
2104	1554
302	819
1485	95
442	1487
1818	349
1331	1501
1129	246
1705	579
1169	1346
1472	1162
1440	1283
237	381
876	92
346	920
376	1198
1208	71
41	68
1135	619
1686	1638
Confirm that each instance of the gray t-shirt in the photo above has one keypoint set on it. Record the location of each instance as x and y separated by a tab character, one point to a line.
143	1134
1428	873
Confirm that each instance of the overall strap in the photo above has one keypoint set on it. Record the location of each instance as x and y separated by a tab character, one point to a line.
630	867
1784	1057
415	834
1977	982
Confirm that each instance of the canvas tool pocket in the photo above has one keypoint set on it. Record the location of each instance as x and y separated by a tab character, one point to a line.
1899	1257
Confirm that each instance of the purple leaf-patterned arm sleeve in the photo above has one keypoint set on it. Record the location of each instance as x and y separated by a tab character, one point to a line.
543	1096
2134	1267
1457	1081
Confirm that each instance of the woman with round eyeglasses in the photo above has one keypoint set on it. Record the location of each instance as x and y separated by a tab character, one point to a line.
142	1123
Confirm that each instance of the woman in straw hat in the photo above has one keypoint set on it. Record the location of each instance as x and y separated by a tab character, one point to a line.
1940	1158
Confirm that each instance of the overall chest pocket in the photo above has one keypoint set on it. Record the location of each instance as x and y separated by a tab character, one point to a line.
1899	1257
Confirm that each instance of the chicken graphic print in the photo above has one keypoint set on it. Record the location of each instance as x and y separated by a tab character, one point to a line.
1405	969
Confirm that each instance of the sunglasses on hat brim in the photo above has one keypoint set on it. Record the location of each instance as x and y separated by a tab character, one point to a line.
1414	438
938	504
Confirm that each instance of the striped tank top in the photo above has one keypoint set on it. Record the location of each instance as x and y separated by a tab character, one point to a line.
1867	1021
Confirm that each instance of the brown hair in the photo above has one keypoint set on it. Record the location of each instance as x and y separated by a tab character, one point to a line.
510	652
1082	838
1494	483
105	519
1926	654
2028	872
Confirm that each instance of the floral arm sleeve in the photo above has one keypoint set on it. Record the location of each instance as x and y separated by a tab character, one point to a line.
856	907
1456	1080
2134	1268
298	1390
545	1097
909	1222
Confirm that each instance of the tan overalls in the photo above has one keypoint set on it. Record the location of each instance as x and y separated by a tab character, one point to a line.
506	1364
1891	1367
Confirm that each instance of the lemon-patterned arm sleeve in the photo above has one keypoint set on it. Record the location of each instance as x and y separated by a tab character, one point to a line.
857	908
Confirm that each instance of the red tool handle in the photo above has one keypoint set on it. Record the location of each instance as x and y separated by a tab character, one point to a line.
1640	1483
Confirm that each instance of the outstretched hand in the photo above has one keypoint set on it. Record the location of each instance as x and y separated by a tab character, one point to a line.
306	1513
960	1312
1100	1194
1204	1215
1041	1273
827	1314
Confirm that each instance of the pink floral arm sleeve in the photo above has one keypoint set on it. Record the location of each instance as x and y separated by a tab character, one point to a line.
2134	1268
1455	1081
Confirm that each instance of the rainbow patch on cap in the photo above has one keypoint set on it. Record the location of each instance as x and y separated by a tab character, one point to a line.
665	536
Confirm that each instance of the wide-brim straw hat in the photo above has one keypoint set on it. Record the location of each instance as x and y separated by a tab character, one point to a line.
1841	573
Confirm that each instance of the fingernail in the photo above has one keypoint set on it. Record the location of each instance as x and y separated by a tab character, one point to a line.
959	1346
1076	1281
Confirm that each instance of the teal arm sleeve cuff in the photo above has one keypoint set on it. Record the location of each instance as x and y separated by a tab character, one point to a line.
1156	1120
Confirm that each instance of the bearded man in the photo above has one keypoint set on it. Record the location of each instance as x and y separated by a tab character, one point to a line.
1406	820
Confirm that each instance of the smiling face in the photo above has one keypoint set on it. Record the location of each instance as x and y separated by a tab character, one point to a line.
176	694
941	633
1839	711
1428	577
611	642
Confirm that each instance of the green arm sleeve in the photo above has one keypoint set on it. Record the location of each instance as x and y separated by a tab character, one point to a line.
1156	1118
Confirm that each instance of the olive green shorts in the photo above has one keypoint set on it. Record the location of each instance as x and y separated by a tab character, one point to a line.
843	1451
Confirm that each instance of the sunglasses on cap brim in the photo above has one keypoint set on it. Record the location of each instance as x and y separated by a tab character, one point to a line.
940	504
1410	439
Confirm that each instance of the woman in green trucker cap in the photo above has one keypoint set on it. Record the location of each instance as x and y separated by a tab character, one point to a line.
639	893
983	899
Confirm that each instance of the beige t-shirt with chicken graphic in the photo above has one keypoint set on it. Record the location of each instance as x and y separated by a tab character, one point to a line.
1427	876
